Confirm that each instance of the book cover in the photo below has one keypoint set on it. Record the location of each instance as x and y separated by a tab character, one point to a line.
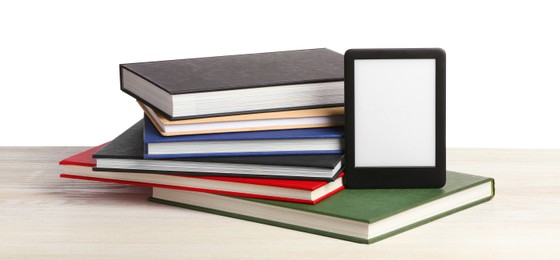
294	119
79	166
126	151
276	142
359	215
84	158
168	85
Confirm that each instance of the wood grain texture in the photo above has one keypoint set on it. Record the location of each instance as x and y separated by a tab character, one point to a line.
44	216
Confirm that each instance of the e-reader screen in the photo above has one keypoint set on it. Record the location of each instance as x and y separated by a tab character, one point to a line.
395	112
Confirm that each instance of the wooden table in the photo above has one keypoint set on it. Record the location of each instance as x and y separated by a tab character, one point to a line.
42	215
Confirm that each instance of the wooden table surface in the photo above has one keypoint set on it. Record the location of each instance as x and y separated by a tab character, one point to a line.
44	216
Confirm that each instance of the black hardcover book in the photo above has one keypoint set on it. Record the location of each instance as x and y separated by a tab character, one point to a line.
125	153
238	84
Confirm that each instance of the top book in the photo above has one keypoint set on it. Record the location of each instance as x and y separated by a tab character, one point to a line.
238	84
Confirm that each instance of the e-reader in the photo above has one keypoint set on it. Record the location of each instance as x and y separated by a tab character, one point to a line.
394	118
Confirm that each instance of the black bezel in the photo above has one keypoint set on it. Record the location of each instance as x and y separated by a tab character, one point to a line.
394	177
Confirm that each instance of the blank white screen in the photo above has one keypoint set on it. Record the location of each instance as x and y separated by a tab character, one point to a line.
395	112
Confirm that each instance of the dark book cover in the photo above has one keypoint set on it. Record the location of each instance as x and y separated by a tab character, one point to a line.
255	83
230	72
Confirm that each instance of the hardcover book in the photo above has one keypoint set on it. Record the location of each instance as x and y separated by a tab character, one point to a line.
125	153
293	119
238	84
275	142
79	166
359	215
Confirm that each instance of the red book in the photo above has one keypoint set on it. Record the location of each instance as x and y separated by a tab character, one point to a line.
79	166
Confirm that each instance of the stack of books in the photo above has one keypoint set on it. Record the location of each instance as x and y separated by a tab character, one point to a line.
266	125
258	137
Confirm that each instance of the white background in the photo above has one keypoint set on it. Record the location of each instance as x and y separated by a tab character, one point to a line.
59	59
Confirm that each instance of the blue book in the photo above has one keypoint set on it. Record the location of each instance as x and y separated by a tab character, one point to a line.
276	142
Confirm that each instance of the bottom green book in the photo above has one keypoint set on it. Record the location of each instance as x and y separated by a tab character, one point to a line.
360	215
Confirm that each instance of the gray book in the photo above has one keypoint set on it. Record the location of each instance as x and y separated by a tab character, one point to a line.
238	84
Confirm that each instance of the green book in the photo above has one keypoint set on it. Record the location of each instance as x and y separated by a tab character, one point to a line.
359	215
